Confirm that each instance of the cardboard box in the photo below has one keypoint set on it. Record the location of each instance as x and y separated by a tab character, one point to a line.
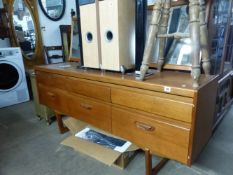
98	152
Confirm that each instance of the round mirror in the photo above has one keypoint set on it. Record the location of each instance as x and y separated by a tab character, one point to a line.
24	28
53	9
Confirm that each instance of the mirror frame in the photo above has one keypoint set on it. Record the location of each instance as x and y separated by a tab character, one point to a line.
71	58
38	57
66	30
15	34
46	14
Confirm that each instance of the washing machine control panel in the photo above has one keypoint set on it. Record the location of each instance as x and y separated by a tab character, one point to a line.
7	53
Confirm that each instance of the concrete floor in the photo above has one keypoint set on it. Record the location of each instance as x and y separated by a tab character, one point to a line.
31	147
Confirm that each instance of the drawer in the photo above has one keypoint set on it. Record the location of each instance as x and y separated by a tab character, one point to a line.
163	138
92	112
174	107
53	98
51	80
89	89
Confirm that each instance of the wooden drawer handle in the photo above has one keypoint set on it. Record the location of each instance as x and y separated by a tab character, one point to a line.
51	94
86	106
144	126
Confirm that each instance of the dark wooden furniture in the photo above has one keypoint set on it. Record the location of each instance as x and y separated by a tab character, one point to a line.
4	23
163	115
53	53
221	45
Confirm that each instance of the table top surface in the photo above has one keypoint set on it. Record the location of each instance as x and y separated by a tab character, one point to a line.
172	82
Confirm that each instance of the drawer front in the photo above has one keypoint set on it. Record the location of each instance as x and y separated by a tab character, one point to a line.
166	139
53	98
167	107
92	112
51	80
89	89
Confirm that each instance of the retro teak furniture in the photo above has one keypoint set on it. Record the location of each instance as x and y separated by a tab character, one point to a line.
164	115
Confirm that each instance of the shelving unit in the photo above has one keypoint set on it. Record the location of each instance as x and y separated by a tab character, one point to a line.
221	45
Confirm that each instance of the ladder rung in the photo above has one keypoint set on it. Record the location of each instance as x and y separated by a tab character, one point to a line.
176	35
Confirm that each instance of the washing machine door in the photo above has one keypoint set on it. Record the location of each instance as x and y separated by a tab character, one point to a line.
10	76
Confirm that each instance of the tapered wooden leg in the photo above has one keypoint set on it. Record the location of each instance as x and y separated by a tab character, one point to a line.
204	39
148	164
153	31
163	30
159	166
194	26
60	124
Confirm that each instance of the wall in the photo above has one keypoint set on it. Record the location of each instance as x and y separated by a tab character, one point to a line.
50	29
51	33
1	4
151	2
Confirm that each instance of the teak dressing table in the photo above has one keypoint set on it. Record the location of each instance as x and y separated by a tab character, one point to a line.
163	115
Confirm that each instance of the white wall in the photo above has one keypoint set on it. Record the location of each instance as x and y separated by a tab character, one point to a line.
51	33
151	2
50	29
1	4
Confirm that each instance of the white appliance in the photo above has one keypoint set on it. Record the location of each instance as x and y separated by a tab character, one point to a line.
13	85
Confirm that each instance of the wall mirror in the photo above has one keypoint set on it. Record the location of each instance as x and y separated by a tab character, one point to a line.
178	51
24	28
75	45
53	9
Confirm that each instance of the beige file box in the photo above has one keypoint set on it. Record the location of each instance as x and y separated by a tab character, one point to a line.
117	31
90	35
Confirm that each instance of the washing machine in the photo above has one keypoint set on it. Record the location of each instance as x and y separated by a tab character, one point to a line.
13	85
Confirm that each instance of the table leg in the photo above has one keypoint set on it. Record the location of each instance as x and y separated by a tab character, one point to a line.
152	36
148	163
60	124
159	166
163	30
204	39
194	26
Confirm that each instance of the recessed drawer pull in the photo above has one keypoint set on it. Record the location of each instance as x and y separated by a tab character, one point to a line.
51	94
144	126
86	106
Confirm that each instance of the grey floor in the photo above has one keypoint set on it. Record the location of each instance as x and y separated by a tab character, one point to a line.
31	147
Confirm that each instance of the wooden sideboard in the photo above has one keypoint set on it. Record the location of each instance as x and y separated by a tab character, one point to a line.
163	114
